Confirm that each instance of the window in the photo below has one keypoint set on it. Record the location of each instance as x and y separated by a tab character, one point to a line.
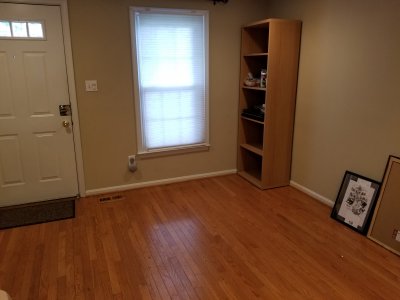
171	63
21	29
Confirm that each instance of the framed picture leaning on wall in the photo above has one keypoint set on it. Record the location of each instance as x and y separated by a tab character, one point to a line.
385	224
355	201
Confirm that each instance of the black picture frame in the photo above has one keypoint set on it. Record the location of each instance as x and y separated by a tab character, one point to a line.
356	201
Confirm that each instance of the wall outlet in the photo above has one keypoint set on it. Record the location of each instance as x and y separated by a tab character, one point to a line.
397	237
91	85
132	166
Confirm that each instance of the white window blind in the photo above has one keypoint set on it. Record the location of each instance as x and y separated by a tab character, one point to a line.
171	53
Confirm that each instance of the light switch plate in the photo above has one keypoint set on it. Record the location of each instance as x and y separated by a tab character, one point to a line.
91	85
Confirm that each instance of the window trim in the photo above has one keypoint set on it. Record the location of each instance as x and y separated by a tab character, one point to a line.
141	150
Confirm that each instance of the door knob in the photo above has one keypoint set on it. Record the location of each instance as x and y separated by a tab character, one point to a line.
65	124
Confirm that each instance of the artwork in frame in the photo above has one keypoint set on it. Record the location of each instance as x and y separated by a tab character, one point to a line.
356	201
385	224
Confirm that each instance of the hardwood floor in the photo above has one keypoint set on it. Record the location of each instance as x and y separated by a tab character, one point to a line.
215	238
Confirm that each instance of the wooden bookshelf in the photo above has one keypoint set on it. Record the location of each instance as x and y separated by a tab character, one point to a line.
265	147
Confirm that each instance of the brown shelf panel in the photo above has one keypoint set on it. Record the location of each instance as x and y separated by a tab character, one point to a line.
256	54
252	120
262	24
254	88
255	148
265	23
252	177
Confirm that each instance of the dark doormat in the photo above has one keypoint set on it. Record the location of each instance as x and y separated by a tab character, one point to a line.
38	212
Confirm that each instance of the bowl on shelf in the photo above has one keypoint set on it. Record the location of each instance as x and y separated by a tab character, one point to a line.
252	82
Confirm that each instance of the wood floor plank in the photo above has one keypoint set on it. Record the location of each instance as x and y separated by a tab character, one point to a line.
214	238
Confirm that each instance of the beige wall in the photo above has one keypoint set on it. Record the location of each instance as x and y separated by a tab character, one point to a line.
348	102
101	50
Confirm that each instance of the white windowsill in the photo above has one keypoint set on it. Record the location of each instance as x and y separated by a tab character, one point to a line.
173	151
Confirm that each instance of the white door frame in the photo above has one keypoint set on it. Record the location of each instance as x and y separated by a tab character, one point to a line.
71	83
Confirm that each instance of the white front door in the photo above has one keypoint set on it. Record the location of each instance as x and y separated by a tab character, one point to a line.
37	158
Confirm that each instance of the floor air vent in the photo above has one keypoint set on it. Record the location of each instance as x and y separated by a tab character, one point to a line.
109	198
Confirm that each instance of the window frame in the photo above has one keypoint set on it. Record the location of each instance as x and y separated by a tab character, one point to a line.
141	149
28	37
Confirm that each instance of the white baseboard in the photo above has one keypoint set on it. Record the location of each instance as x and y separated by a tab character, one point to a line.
119	188
313	194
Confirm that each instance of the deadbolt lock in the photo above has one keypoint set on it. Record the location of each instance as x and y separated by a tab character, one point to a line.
65	110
